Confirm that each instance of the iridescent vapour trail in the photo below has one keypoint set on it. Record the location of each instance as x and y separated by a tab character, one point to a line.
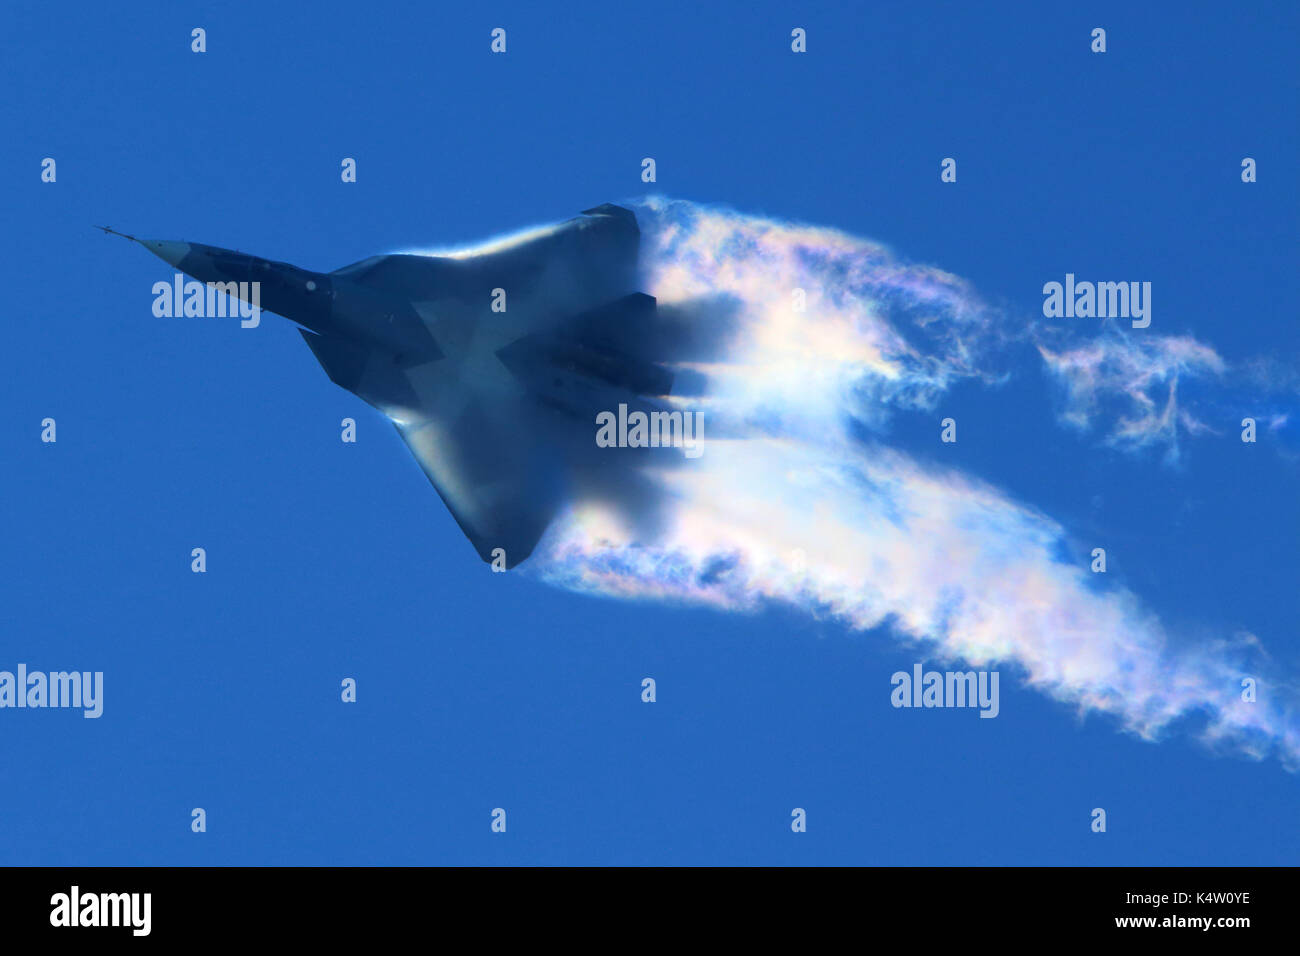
805	514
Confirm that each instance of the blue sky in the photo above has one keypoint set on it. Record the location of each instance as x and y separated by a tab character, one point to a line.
479	690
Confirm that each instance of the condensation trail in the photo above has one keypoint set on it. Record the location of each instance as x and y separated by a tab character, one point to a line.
804	513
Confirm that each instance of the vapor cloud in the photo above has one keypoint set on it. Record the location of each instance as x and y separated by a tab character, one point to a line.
805	512
1142	374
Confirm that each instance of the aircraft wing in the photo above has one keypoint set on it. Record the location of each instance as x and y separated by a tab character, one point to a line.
503	492
577	264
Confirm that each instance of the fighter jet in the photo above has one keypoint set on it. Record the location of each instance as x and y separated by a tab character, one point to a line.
493	365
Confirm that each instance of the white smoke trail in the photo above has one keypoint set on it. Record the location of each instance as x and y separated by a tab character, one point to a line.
806	514
1145	371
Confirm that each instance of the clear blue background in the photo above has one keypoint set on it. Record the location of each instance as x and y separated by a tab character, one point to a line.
478	690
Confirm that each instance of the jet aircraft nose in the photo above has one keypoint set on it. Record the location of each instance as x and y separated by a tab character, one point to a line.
167	250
